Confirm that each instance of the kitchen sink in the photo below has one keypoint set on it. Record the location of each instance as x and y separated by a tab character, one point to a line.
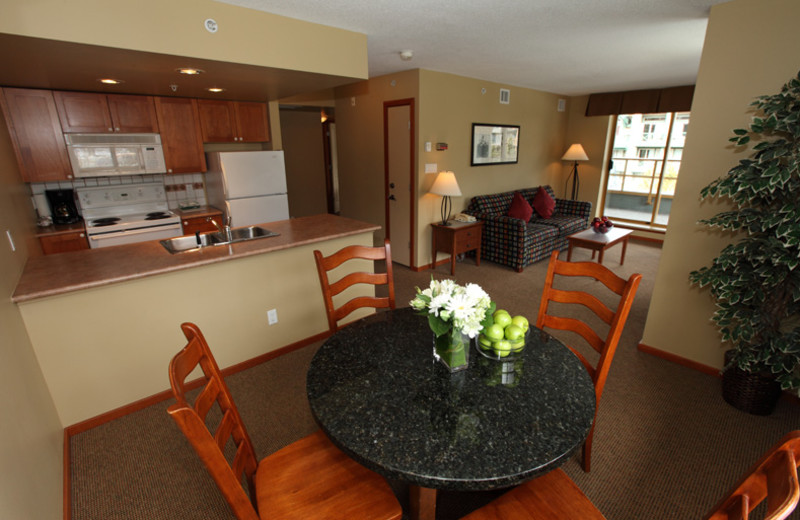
198	241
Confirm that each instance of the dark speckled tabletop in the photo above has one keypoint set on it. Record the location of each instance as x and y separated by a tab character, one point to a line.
376	391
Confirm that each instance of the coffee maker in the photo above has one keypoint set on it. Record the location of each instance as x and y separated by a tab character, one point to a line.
62	206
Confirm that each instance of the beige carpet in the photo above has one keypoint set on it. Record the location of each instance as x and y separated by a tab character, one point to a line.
666	445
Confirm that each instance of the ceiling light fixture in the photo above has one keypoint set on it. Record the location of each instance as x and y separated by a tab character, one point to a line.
406	55
191	71
110	81
215	89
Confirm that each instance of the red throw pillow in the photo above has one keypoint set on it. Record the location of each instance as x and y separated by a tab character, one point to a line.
520	208
544	203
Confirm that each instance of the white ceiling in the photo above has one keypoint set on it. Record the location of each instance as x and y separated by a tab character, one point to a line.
568	47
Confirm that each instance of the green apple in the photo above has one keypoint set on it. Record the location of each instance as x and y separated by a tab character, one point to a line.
494	332
521	322
484	342
513	333
517	346
502	348
502	318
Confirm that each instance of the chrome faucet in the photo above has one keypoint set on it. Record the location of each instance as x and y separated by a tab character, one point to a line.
226	230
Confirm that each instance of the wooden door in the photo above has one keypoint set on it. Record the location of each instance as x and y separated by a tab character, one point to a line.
398	157
251	122
32	120
217	120
181	138
133	114
83	112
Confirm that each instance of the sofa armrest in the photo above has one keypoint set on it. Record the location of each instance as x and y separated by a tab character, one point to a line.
575	208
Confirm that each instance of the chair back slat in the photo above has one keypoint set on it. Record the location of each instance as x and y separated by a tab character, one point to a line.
773	477
576	326
333	288
587	300
192	420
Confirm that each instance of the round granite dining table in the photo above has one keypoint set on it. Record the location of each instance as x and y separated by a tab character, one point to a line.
375	389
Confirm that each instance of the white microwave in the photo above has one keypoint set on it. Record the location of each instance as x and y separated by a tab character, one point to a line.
95	155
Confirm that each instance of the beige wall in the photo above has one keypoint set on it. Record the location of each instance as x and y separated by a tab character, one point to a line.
734	69
359	130
31	434
305	162
176	27
446	107
123	356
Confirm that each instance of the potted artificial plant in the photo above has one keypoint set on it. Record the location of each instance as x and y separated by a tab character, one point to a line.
756	281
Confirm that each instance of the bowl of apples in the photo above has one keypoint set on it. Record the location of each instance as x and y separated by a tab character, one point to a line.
601	224
505	338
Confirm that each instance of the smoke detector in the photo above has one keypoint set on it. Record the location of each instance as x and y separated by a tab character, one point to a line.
406	55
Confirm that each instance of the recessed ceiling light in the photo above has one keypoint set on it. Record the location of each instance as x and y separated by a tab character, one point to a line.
215	89
110	81
190	71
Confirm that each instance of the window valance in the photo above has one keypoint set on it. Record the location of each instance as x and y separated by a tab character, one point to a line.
650	101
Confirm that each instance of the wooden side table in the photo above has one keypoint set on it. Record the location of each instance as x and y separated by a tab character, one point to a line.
457	238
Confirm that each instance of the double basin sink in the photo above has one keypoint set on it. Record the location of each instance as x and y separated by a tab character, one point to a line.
200	240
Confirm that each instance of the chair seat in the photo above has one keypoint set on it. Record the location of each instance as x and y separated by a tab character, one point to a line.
307	478
553	496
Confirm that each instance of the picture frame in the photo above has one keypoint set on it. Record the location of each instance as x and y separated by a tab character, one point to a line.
494	144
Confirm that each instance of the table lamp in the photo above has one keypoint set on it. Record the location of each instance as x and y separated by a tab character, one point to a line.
446	186
575	153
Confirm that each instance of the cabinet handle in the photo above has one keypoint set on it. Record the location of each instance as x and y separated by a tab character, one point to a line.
82	235
116	129
110	129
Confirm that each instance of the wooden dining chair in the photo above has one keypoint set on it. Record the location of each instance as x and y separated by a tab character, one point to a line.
331	289
310	478
774	477
554	496
615	319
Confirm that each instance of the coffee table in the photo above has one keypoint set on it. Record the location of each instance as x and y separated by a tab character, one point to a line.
589	239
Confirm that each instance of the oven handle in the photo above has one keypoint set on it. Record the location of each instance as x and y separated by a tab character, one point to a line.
116	234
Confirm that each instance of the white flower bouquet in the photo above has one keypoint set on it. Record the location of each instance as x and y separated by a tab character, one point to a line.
454	312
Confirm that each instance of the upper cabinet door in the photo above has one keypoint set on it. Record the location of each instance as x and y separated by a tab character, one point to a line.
83	112
217	121
133	114
36	135
100	113
233	121
251	119
180	134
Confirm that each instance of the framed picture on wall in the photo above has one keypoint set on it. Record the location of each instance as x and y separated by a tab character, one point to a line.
494	144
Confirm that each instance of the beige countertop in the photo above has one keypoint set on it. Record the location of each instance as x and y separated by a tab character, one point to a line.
202	211
51	275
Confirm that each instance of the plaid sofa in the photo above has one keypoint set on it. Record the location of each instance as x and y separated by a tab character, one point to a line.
512	242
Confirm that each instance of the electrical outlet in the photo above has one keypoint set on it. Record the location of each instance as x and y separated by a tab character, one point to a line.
272	316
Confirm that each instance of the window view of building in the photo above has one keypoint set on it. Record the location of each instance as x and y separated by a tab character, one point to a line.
645	161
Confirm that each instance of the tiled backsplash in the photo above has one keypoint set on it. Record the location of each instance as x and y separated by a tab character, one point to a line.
184	188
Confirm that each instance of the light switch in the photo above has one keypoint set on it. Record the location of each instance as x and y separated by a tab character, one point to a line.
427	146
431	168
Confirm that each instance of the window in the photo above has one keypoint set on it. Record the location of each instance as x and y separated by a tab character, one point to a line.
646	159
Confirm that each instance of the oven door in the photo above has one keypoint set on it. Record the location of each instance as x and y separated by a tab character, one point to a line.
131	236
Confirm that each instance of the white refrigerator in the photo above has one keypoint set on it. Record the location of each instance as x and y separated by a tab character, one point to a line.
250	187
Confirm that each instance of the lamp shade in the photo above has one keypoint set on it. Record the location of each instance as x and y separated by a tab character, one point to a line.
575	153
446	185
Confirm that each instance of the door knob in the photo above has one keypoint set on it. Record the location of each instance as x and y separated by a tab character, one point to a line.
391	197
391	185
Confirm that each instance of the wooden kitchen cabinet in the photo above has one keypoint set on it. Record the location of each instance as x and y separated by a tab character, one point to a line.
33	124
64	242
455	239
104	113
181	139
233	121
201	224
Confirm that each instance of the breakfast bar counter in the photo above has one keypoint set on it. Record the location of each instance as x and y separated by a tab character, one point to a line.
51	275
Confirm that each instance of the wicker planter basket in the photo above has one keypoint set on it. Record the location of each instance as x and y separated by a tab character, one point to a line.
756	394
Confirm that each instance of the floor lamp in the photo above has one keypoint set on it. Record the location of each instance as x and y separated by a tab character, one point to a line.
575	153
446	186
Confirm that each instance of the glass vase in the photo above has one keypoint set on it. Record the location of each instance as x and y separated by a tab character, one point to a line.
452	349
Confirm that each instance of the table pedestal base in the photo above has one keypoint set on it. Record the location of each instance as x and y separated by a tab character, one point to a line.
422	502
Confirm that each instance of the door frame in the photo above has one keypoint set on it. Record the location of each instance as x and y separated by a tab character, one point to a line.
411	174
